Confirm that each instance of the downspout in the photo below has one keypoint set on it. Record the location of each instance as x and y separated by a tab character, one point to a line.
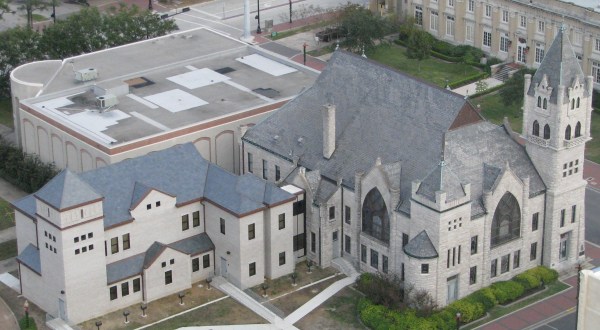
342	237
543	230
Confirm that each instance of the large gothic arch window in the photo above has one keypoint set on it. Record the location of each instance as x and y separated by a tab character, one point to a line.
506	224
375	218
578	129
546	132
536	128
568	132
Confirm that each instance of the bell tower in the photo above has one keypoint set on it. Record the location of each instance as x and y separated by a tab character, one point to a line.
556	125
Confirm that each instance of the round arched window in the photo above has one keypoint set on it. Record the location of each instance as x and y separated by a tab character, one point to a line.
506	224
375	218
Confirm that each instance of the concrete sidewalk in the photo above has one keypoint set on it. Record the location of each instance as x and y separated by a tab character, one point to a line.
470	89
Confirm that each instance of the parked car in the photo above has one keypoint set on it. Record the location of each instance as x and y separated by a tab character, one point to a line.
330	34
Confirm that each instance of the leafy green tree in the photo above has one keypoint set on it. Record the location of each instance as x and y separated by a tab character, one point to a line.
418	46
4	8
80	33
19	45
29	6
363	29
512	92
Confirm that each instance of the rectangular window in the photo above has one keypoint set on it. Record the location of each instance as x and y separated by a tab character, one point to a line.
113	292
577	38
487	39
596	71
505	16
252	269
459	249
597	45
196	218
384	264
347	244
448	259
469	32
168	277
331	212
281	258
471	6
250	163
494	268
313	242
473	275
533	251
148	206
335	236
404	239
251	231
185	222
206	261
114	245
535	221
418	15
222	221
157	203
281	221
541	27
363	253
539	52
195	264
347	214
505	264
374	259
402	272
124	289
299	242
450	3
517	259
136	285
573	213
299	207
523	22
424	268
433	21
126	242
277	173
488	11
504	42
265	169
563	252
474	244
562	218
450	26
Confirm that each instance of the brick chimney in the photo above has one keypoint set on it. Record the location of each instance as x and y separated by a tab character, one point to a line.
328	113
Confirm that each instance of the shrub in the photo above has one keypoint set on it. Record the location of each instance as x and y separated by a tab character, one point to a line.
467	80
528	280
469	309
23	170
23	322
507	291
382	289
544	274
485	297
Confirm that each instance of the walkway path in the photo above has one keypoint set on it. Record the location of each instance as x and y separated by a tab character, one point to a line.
471	88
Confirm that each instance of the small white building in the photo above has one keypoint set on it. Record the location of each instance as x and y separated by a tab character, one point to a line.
588	313
144	228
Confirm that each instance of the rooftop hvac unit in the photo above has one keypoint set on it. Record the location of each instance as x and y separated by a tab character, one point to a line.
106	101
86	74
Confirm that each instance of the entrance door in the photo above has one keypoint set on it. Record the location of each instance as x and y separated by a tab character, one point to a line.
452	288
564	244
223	267
62	313
521	55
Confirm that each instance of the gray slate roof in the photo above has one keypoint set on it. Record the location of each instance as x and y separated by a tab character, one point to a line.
420	247
442	178
379	113
178	171
194	245
560	66
30	257
66	190
125	268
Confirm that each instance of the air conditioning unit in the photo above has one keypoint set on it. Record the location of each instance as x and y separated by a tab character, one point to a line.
106	101
86	74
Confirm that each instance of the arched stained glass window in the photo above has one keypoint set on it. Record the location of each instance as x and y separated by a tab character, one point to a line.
506	224
375	218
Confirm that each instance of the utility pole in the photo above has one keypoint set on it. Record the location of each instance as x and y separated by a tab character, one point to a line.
290	11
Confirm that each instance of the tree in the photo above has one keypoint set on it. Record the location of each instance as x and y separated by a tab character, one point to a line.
19	45
512	92
361	27
418	46
29	6
4	8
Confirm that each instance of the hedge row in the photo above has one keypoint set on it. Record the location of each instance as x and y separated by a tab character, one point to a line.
472	307
487	91
467	80
23	170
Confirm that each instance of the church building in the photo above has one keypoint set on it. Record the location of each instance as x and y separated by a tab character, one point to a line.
401	176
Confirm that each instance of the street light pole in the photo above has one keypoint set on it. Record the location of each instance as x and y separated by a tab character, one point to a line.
290	11
258	30
577	296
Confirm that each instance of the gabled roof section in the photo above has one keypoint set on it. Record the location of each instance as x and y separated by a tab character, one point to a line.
442	178
125	268
26	205
420	247
490	176
152	253
194	245
140	191
30	257
67	190
560	67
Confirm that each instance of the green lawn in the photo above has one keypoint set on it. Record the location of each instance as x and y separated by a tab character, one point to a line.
6	117
8	249
432	69
7	218
494	111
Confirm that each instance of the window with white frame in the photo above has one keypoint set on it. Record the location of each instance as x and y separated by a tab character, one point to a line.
504	42
541	26
419	15
523	22
577	38
597	45
487	39
433	23
469	32
450	26
539	52
450	3
488	10
596	71
471	6
505	16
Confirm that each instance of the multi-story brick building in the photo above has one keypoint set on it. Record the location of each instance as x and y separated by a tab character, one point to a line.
518	31
405	177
